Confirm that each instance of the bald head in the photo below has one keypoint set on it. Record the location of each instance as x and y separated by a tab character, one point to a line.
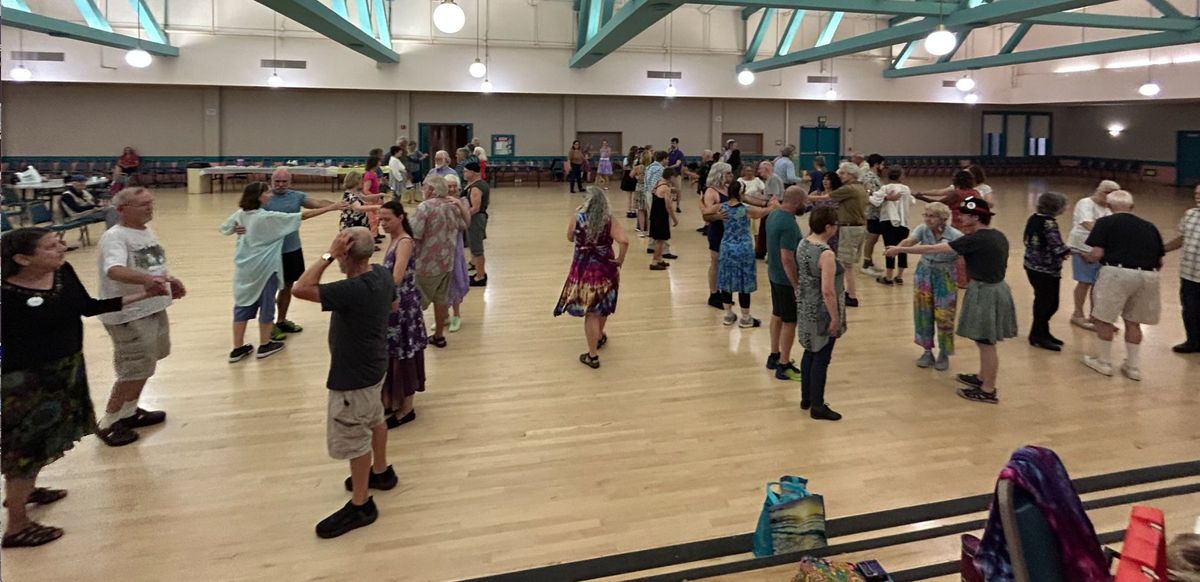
362	244
281	180
794	197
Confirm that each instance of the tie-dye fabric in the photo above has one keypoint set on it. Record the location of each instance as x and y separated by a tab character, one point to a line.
593	281
935	302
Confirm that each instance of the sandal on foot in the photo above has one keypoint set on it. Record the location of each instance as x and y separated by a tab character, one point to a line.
34	534
603	340
438	341
43	496
592	362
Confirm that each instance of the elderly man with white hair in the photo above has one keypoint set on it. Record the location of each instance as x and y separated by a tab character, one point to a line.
1083	269
1130	252
437	226
441	165
852	202
355	427
785	168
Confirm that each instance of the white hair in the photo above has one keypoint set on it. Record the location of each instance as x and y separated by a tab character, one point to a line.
479	153
1120	198
362	243
452	178
126	196
851	169
1106	186
438	184
719	170
445	155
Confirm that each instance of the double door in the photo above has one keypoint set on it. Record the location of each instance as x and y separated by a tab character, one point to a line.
819	141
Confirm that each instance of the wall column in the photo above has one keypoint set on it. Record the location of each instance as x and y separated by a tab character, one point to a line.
404	126
211	105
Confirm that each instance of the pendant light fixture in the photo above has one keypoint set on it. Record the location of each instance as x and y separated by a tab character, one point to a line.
477	69
486	85
941	41
971	98
965	84
19	73
137	57
745	77
1149	88
448	17
275	81
671	91
831	94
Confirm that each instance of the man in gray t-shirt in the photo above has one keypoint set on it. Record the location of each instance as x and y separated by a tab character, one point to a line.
355	426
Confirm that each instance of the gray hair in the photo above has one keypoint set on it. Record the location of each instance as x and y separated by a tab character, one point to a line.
445	155
597	213
788	151
126	196
1120	198
438	184
362	244
1051	203
769	164
719	170
854	171
1106	186
452	178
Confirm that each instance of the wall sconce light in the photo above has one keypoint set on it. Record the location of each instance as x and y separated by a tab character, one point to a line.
1115	129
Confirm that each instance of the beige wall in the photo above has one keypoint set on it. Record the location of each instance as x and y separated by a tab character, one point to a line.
45	119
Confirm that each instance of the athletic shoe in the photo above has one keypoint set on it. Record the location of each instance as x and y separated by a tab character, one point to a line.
747	321
277	335
382	481
269	349
824	413
851	301
787	371
773	360
926	360
970	380
1098	365
979	395
350	517
943	362
1131	372
729	319
479	282
288	327
240	353
669	256
870	271
455	323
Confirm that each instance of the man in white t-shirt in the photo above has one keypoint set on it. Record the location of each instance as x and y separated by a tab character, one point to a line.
1083	269
131	259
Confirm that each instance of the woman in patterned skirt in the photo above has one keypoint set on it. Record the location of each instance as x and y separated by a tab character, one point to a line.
44	386
935	293
406	326
591	288
605	169
736	267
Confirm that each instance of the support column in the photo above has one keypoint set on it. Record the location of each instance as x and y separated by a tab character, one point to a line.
404	126
716	124
568	123
211	106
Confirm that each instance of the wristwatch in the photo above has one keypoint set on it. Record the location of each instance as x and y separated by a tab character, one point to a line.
328	258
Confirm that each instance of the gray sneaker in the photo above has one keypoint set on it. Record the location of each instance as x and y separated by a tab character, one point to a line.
943	362
926	360
730	318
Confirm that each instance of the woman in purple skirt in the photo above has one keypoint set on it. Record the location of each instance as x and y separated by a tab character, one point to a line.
460	280
406	336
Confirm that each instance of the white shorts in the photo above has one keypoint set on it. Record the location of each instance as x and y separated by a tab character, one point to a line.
1129	294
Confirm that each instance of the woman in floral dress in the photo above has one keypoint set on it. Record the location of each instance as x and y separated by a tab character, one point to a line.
460	279
406	327
736	269
591	288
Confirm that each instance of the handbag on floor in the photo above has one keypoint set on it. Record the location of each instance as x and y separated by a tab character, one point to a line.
820	570
791	520
1144	551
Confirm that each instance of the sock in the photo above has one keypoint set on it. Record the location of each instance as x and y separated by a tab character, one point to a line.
1132	353
1104	350
108	419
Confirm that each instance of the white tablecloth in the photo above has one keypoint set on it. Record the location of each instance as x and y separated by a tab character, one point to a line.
329	171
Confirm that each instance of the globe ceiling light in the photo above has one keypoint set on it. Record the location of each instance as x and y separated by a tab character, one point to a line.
275	80
1149	89
449	17
965	84
20	73
746	77
486	86
477	69
831	94
671	91
940	42
138	58
971	98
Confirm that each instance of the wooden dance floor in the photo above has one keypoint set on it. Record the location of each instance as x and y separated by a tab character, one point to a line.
522	457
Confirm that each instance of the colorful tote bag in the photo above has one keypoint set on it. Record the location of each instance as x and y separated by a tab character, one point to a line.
792	519
818	570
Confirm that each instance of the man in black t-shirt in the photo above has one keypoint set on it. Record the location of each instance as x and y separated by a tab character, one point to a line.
355	428
1130	252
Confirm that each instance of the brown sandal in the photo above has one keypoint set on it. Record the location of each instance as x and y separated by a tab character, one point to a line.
43	496
34	534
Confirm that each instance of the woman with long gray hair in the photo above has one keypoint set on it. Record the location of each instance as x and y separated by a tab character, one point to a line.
591	288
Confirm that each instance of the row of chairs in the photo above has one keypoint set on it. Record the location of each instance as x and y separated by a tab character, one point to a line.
41	212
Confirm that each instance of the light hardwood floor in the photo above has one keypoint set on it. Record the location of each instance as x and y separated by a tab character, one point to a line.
521	456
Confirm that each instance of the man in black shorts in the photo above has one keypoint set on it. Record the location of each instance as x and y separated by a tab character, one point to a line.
284	199
783	236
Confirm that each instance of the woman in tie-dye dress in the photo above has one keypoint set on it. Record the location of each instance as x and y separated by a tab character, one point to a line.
591	288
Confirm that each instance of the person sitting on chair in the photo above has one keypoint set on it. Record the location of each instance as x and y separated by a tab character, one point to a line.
76	201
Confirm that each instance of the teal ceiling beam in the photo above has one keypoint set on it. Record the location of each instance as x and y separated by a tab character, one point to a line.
339	6
364	16
956	21
633	18
15	5
583	27
595	11
830	29
91	14
905	7
1115	45
789	35
1166	8
749	11
334	26
1116	22
1017	36
898	20
905	53
760	33
959	39
606	10
62	28
150	27
383	31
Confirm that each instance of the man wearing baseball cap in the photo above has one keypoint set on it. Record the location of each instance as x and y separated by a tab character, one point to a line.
987	315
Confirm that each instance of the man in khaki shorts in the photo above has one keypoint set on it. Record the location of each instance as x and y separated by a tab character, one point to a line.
1130	251
130	260
851	201
355	427
436	224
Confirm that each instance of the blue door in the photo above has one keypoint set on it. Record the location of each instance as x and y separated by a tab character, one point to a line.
1187	158
819	141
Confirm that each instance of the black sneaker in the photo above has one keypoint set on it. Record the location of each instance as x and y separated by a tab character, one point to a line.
851	301
979	395
396	422
479	282
649	251
970	380
117	435
773	360
349	517
239	354
824	413
630	215
269	349
669	256
382	481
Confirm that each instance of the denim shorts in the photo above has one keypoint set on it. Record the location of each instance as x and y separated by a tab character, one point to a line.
1083	271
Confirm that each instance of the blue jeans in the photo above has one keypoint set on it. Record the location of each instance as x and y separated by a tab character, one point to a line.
814	367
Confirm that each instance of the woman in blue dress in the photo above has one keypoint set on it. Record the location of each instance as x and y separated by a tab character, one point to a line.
736	267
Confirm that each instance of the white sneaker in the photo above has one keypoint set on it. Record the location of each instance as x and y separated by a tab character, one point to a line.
1098	365
870	271
730	318
1131	372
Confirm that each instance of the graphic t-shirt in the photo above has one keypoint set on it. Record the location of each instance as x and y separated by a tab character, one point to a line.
137	249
